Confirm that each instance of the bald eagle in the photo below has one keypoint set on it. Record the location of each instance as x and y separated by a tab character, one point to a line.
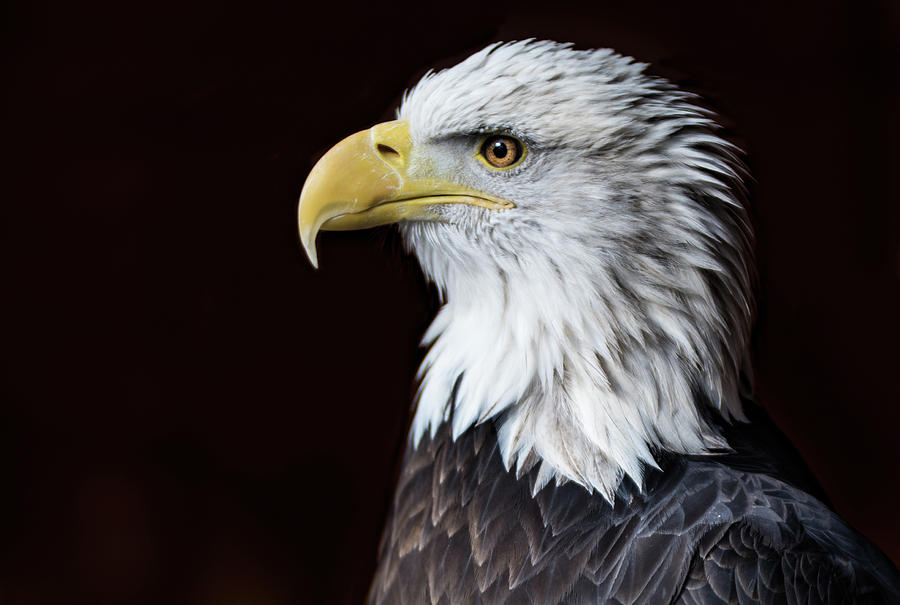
584	430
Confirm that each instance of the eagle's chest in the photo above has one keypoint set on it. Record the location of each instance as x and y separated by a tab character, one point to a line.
463	529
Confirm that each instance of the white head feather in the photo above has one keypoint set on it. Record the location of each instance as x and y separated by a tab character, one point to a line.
601	319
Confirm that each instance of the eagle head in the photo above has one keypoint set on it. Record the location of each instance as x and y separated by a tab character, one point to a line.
584	223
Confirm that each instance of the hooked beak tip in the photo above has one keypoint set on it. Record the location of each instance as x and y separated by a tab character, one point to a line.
308	241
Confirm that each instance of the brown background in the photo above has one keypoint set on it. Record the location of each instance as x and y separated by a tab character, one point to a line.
191	414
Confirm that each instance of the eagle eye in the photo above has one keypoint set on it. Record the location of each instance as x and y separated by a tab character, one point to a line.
501	151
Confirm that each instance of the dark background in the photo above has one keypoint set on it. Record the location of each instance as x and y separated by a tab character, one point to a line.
191	414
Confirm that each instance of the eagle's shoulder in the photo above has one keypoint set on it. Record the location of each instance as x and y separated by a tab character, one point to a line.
464	529
779	544
744	565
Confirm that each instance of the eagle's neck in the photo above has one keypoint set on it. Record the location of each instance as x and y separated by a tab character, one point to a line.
585	371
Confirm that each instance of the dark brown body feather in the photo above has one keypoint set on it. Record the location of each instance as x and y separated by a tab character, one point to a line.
462	529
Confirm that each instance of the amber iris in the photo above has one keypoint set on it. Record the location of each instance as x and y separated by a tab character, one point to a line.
501	151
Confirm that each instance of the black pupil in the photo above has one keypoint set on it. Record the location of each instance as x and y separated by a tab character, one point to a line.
500	149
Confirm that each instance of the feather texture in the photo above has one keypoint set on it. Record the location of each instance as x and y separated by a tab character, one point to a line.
463	529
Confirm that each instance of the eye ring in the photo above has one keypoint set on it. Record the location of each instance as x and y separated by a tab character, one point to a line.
501	151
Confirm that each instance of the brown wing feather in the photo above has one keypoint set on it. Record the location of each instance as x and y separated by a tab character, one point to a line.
464	530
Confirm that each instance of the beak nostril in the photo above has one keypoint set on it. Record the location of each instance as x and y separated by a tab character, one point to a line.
388	153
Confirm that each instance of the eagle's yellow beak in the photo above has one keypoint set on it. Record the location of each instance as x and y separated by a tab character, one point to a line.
363	182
